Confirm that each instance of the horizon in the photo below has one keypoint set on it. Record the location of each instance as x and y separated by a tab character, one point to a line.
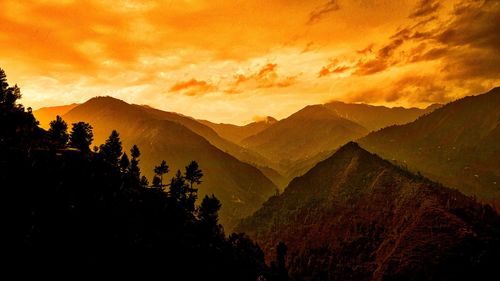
231	62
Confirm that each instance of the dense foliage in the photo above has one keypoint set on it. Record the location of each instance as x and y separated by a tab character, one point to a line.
82	211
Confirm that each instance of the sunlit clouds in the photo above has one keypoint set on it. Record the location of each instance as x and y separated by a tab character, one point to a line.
228	61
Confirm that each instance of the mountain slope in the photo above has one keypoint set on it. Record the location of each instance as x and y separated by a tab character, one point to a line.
46	114
457	144
211	135
377	117
240	186
236	133
357	217
310	131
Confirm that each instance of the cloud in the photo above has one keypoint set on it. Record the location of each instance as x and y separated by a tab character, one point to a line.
334	67
264	77
193	87
425	8
320	11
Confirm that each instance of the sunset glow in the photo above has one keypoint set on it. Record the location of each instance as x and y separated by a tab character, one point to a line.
229	61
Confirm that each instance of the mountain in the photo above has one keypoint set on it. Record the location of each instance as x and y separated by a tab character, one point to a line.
377	117
46	114
312	130
356	217
236	133
240	187
457	144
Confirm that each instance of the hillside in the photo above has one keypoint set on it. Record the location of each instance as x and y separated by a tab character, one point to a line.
357	217
304	134
236	133
377	117
46	114
457	144
240	187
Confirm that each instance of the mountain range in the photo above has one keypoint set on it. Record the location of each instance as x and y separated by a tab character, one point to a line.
178	140
355	216
458	144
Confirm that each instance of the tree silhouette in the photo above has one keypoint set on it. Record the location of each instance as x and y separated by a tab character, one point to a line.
111	150
124	163
193	174
160	170
81	136
209	209
135	171
58	133
144	181
8	95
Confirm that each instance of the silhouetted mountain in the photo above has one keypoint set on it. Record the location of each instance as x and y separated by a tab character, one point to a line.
236	133
46	114
72	213
357	217
377	117
310	131
240	187
457	144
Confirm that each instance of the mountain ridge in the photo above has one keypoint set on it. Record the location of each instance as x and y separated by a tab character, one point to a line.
356	216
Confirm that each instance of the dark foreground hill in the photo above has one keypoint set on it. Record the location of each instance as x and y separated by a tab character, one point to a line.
457	144
70	213
356	216
241	187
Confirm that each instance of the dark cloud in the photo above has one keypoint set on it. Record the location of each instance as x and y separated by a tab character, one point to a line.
425	8
193	87
464	46
318	13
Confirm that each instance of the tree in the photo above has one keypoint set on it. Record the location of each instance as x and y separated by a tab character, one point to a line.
144	181
124	163
178	188
8	95
193	174
209	210
160	171
157	182
134	170
58	133
111	150
81	136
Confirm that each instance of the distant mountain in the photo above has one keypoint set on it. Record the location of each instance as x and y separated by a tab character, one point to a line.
377	117
46	114
212	136
457	144
304	134
240	187
236	133
358	217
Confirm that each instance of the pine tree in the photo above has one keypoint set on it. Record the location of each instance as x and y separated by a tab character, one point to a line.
124	163
160	171
193	174
111	150
81	136
135	171
58	133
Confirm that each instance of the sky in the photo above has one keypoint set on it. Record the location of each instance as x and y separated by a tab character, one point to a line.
235	61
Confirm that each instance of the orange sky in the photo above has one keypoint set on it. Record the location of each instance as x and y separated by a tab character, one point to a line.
229	61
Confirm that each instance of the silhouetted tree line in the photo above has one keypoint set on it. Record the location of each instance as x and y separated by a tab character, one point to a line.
82	211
